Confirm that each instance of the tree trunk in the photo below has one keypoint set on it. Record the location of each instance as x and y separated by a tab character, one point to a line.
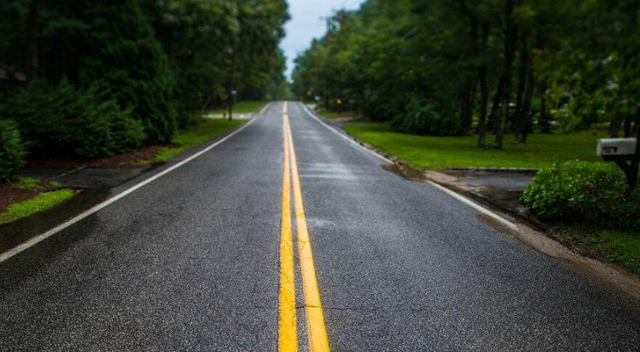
483	74
522	85
31	50
544	117
627	125
636	124
326	101
526	109
509	53
614	127
466	108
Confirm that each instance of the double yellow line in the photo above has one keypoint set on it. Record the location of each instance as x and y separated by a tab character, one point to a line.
287	326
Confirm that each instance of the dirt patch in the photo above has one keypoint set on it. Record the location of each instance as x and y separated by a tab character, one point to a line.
144	154
11	195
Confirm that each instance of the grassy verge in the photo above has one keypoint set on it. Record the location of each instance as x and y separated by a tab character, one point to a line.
40	203
333	115
203	132
435	153
243	107
619	247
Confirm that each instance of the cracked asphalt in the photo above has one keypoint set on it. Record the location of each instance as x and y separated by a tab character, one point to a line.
190	262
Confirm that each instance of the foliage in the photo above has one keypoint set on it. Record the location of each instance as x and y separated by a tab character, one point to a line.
63	120
12	151
163	60
423	117
584	192
214	44
502	62
125	57
40	203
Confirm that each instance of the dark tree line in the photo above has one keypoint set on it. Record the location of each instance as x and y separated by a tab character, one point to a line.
148	67
446	67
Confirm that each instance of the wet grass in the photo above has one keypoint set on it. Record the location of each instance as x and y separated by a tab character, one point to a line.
40	203
197	135
33	184
27	184
333	114
619	247
436	153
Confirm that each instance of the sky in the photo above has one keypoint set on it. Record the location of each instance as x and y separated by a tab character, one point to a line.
306	23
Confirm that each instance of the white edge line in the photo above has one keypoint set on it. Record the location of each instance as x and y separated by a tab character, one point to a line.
453	194
475	206
39	238
265	108
343	135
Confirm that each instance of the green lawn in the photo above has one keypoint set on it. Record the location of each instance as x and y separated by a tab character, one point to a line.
620	247
435	153
333	115
243	107
41	202
203	132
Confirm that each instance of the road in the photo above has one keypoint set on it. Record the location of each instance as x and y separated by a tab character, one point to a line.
289	235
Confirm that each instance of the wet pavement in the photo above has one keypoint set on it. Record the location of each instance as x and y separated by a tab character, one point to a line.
506	181
190	262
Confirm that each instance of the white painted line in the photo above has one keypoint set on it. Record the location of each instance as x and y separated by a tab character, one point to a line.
265	108
455	195
39	238
304	107
475	206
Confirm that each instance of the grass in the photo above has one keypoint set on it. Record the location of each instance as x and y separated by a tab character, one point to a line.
203	132
619	247
333	114
243	107
436	153
27	184
40	203
32	184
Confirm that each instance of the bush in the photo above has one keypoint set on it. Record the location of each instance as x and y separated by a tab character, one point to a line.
594	193
12	153
64	121
423	117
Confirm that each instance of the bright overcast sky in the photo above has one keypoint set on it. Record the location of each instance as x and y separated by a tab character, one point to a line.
306	24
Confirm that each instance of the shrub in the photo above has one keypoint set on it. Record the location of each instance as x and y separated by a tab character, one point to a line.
12	152
423	117
63	120
594	193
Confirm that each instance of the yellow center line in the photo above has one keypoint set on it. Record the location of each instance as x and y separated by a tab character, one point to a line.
287	327
316	330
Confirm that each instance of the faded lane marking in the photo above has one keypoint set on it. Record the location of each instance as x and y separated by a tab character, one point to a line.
287	326
316	330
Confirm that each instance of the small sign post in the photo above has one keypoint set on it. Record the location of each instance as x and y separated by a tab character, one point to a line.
625	152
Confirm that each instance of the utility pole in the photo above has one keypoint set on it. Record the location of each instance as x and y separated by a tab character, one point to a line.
342	19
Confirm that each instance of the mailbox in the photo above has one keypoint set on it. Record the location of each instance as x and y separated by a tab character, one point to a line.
617	147
625	153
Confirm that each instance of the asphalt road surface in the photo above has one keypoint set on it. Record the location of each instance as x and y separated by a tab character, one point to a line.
288	236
